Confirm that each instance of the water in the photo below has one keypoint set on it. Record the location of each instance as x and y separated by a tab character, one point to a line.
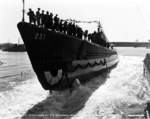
19	88
14	65
125	88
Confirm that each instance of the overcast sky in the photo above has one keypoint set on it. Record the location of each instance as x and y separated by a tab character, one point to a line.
122	20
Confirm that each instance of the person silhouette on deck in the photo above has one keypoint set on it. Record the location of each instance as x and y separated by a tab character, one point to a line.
56	22
79	32
47	20
42	19
89	37
65	25
85	34
73	29
38	17
60	25
31	16
51	21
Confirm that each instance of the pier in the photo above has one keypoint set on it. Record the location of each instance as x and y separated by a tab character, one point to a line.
131	44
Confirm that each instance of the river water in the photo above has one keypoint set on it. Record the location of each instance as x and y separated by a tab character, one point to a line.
19	88
125	87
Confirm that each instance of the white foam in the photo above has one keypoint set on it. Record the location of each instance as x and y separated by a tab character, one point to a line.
14	103
125	86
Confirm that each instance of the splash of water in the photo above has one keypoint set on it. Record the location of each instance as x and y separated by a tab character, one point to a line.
14	103
125	87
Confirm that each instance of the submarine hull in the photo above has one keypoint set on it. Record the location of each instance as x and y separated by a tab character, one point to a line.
51	52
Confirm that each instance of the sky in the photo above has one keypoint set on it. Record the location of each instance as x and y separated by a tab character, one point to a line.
122	20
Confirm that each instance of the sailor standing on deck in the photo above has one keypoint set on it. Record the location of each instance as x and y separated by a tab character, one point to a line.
60	25
65	24
38	18
51	21
56	22
85	34
31	16
42	19
47	19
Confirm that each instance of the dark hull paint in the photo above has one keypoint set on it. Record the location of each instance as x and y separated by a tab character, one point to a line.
49	51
